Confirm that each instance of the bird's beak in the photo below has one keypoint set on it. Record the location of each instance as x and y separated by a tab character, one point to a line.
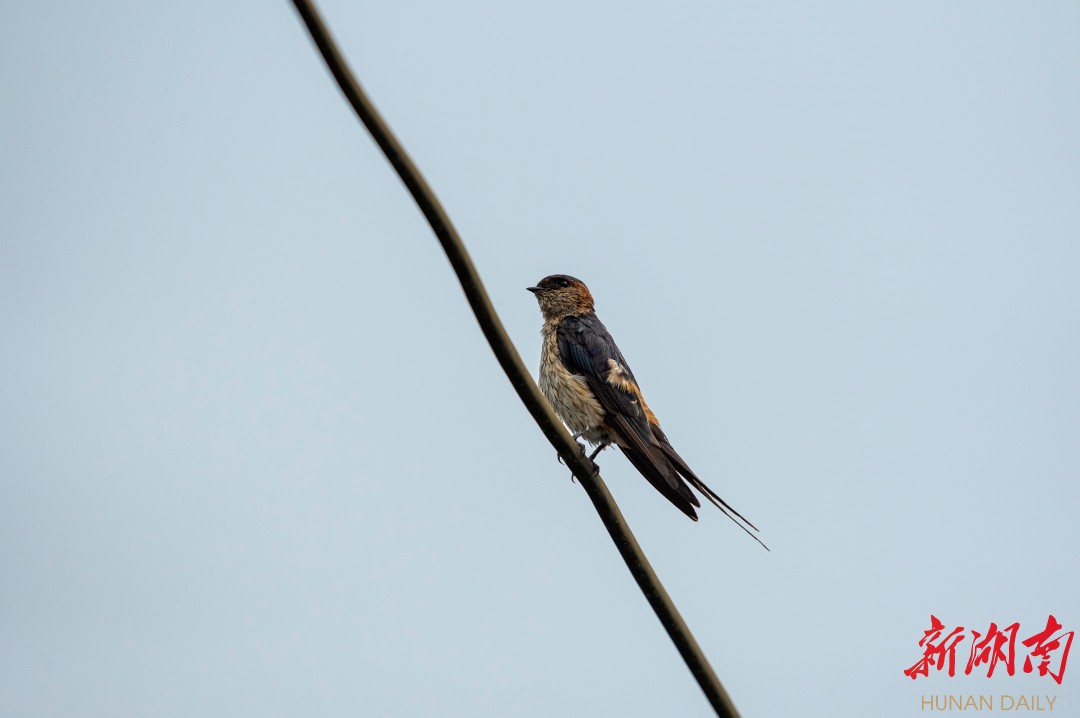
534	290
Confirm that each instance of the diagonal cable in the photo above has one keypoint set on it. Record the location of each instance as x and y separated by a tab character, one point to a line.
508	358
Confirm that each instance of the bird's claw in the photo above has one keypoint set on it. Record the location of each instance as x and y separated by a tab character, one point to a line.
560	458
581	447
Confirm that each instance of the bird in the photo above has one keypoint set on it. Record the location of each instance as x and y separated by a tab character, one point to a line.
591	387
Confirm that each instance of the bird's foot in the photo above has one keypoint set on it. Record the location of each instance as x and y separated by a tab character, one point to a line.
590	457
581	447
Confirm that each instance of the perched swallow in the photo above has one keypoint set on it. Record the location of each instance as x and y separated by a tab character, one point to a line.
589	384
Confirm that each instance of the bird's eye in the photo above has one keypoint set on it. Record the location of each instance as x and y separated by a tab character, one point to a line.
564	283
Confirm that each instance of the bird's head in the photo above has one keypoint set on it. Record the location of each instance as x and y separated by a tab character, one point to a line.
561	295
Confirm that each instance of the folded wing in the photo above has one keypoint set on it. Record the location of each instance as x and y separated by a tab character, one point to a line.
587	349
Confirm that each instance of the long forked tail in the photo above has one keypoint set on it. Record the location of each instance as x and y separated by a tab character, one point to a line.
684	470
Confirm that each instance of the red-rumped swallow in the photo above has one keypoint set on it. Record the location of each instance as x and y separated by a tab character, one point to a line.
587	381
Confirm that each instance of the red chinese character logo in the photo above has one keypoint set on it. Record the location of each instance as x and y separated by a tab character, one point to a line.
989	650
1049	650
934	652
1045	643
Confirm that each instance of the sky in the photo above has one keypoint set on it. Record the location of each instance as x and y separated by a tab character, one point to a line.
257	459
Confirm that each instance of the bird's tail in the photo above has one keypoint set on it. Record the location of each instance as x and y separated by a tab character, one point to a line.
684	470
662	475
649	459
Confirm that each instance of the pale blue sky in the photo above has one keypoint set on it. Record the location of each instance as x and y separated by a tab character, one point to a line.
256	458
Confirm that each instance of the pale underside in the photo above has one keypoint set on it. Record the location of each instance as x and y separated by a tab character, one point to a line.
569	395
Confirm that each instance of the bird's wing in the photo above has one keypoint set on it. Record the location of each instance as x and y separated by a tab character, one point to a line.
587	349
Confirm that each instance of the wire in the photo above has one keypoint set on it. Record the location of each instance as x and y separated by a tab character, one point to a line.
570	451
